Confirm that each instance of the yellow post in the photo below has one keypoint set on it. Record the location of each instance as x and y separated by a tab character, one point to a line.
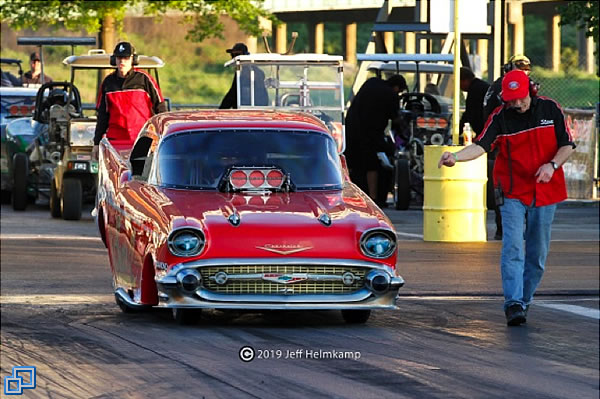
456	106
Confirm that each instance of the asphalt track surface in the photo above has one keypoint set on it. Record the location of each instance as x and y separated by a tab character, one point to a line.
448	338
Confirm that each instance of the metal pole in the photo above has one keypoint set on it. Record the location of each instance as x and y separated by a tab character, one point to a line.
456	106
238	78
42	64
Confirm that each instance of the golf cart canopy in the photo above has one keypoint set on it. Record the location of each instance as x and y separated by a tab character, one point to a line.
438	70
296	59
400	67
98	59
42	41
406	57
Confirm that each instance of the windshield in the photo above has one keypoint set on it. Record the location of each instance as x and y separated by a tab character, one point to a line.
200	159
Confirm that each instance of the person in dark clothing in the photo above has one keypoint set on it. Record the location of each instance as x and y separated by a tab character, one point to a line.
376	102
127	98
35	75
261	96
476	89
492	98
491	101
533	142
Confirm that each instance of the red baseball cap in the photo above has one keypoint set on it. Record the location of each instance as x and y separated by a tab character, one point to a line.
515	85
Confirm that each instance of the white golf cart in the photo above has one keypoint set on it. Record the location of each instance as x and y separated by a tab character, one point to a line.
312	83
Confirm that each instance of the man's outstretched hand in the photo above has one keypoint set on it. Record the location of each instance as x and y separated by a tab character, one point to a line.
447	159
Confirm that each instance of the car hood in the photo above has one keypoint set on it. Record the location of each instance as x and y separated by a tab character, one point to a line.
298	224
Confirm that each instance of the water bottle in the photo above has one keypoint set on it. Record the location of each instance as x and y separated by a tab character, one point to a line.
467	134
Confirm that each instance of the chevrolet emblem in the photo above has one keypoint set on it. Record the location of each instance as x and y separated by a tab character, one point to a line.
284	249
280	278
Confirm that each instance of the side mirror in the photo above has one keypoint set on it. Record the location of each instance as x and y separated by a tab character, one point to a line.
125	177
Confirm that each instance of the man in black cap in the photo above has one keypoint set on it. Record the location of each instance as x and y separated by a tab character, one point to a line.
376	102
127	98
35	75
261	96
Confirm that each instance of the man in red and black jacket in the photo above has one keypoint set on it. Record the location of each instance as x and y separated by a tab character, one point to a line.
127	98
533	141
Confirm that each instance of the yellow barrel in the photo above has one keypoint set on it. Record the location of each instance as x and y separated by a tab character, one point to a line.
454	200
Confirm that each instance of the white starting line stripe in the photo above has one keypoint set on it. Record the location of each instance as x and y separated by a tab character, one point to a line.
578	310
46	237
48	299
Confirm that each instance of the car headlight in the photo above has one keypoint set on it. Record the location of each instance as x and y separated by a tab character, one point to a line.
186	242
378	243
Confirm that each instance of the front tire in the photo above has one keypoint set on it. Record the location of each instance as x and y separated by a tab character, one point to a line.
20	174
356	316
71	201
402	184
123	306
5	196
186	317
54	200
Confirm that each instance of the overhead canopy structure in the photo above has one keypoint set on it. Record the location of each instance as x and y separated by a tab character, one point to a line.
98	59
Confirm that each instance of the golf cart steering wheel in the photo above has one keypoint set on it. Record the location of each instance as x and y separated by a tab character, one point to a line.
414	102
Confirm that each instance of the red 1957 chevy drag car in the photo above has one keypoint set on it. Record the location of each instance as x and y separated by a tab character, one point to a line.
242	209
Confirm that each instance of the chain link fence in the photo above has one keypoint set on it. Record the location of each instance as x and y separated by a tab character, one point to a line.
571	86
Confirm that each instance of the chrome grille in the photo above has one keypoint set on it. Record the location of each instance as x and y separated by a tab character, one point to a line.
258	286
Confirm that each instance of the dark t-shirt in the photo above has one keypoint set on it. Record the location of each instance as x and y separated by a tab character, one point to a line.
492	99
261	96
474	105
366	120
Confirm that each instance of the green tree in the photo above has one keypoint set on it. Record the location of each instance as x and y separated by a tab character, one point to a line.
105	17
583	14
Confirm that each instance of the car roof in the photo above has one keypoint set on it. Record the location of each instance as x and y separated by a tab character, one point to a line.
18	91
171	122
98	59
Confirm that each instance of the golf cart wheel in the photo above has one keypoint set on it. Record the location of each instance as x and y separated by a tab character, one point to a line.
20	173
356	316
71	200
402	184
54	200
186	317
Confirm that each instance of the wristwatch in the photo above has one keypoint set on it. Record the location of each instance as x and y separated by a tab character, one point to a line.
554	165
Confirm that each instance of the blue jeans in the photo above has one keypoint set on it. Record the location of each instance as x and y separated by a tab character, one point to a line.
522	264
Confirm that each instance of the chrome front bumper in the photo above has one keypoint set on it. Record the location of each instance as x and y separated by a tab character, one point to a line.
172	296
